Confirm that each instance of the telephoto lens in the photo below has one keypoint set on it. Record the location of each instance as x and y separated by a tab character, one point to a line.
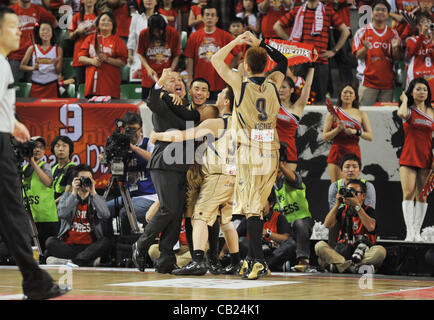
359	253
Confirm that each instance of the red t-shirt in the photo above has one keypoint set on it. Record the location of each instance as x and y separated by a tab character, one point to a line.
201	46
343	11
108	82
123	21
321	41
376	69
27	19
275	11
197	12
88	19
420	52
406	5
171	16
159	56
80	232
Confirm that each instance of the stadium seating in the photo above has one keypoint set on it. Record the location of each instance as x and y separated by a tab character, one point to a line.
23	89
131	91
67	69
80	91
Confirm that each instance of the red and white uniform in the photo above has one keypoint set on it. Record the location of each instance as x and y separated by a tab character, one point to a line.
88	20
201	46
276	10
420	53
375	70
158	55
27	19
287	124
417	151
344	143
44	80
106	79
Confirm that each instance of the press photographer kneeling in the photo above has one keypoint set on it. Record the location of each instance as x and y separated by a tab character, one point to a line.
80	211
357	234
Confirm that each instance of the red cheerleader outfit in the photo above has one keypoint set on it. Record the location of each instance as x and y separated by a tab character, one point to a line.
287	124
417	151
344	143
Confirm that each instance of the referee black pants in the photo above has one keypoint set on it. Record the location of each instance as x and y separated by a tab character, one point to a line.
14	224
171	188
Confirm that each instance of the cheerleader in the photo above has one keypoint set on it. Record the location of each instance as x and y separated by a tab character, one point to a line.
416	161
46	59
345	132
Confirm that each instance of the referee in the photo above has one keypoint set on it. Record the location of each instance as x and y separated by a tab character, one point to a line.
14	227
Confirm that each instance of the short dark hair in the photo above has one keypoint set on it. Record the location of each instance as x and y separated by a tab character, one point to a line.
383	2
238	20
82	167
230	95
350	156
132	118
200	80
359	182
210	6
3	11
63	139
112	18
256	58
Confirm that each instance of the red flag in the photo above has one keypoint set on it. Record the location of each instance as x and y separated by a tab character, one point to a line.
295	52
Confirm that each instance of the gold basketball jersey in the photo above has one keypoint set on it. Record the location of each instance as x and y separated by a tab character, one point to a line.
219	157
255	116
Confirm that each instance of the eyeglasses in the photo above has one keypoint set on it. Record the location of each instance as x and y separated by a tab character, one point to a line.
40	147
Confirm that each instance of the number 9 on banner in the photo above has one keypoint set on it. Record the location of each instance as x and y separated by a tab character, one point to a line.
74	124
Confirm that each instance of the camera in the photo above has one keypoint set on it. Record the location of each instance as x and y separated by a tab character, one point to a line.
23	150
359	253
85	182
117	149
282	152
346	193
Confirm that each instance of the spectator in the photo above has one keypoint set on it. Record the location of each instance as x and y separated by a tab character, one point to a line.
83	24
169	13
277	244
306	30
237	27
122	15
346	131
31	15
420	52
138	178
396	6
62	147
271	12
290	113
202	45
139	22
37	183
159	48
250	16
195	18
80	237
351	167
291	201
376	46
416	160
46	68
357	234
426	6
103	54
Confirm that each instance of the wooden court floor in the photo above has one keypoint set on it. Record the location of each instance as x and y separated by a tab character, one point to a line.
130	284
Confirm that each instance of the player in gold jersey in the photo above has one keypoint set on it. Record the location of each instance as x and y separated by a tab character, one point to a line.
254	126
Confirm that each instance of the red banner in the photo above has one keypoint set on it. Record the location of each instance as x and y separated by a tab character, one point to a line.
295	52
87	124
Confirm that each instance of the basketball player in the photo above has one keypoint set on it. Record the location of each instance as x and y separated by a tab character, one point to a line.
254	120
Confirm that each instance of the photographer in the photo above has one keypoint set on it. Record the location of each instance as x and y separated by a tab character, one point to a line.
138	178
62	147
357	233
37	181
80	238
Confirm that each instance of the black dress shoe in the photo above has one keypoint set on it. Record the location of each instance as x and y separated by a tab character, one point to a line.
194	268
53	292
232	269
166	269
138	259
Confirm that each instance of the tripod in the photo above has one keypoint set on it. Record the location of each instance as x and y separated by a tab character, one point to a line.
120	183
33	229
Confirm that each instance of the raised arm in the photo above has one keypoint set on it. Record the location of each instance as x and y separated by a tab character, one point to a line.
403	111
305	92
